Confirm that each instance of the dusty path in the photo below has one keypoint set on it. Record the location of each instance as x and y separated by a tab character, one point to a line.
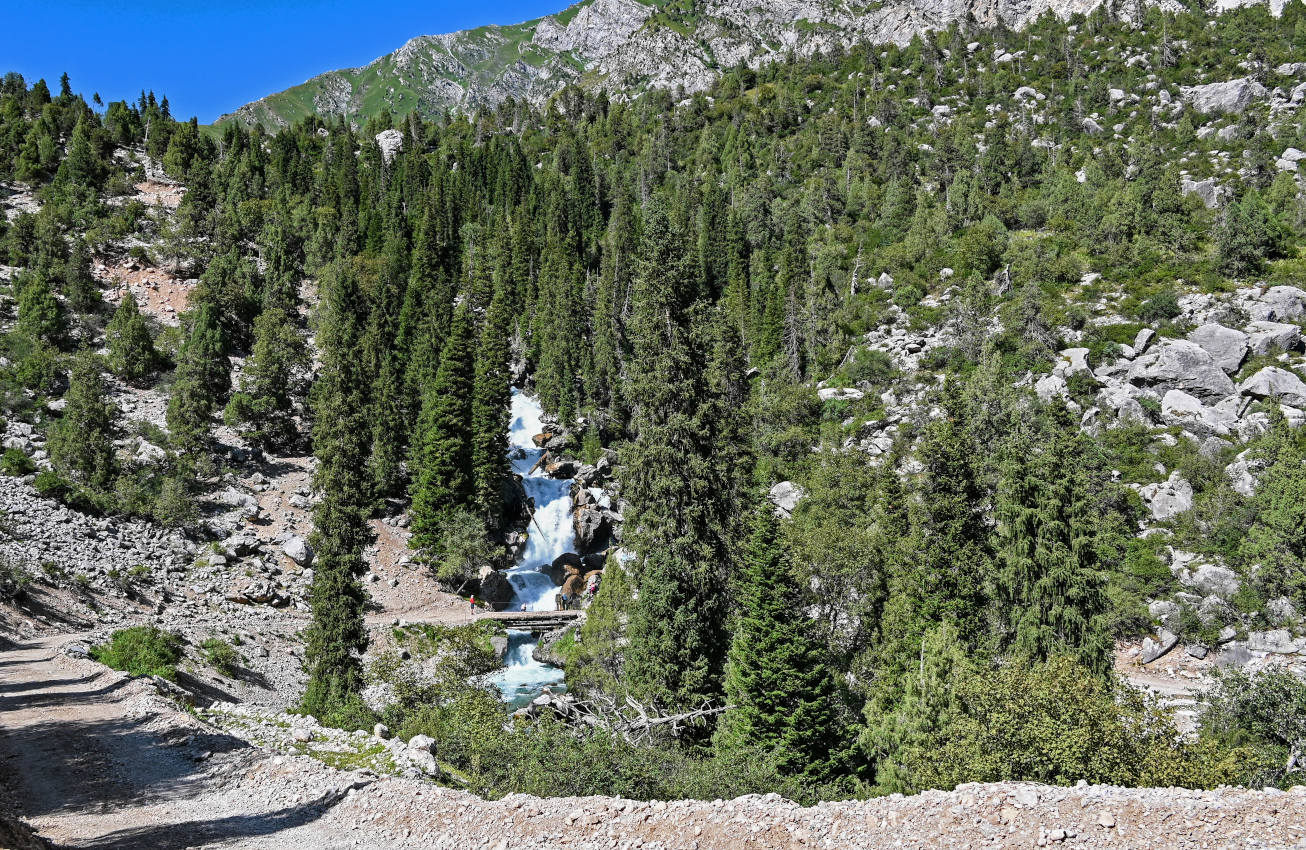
93	758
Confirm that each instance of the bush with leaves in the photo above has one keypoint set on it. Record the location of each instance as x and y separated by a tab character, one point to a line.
221	656
1264	714
141	651
1056	723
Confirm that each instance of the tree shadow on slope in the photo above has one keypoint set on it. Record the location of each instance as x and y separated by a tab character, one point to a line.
178	836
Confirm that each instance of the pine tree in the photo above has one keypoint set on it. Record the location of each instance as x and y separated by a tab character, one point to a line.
131	350
491	405
264	407
40	316
337	635
679	504
778	682
441	453
81	442
1049	590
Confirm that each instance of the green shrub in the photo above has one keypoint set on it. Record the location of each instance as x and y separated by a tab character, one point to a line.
221	656
16	463
1264	715
141	651
14	580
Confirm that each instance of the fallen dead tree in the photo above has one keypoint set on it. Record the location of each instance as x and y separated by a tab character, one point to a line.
633	720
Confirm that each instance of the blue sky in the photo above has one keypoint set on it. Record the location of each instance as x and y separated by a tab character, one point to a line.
210	57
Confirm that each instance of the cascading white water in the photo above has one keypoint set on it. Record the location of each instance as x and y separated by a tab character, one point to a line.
549	535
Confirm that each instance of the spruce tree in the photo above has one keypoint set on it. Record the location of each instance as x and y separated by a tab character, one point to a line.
264	407
131	350
491	411
778	682
337	635
441	453
1050	591
679	503
81	442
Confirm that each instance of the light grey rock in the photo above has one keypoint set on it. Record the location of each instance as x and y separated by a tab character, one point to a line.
1168	498
1232	96
1211	579
1279	641
1241	474
390	142
1197	650
421	743
1265	337
1227	347
1276	383
1154	649
380	730
1235	655
1281	610
1163	611
1181	365
1074	361
1049	387
1180	408
297	549
1209	190
840	394
1276	304
785	496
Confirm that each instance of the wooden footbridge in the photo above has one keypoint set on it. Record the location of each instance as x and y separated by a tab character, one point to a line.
536	622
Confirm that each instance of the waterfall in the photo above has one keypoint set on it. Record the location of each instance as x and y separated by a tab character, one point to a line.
549	535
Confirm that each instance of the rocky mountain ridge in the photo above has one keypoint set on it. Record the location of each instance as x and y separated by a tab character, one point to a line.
624	46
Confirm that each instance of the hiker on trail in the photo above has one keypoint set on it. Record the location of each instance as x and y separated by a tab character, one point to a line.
566	602
523	607
473	604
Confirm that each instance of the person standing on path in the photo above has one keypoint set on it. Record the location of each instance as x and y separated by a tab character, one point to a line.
473	605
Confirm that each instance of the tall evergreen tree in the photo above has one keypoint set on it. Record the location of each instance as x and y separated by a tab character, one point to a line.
1049	589
337	635
491	405
131	350
81	442
779	683
679	504
441	453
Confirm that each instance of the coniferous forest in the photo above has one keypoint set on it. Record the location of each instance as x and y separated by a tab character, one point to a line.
696	287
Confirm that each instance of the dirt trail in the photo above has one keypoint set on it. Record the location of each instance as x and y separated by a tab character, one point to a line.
94	758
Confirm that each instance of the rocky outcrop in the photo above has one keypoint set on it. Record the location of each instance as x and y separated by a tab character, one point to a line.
1273	382
1232	96
619	45
1181	365
1227	347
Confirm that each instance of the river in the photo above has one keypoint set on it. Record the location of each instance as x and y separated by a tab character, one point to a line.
548	536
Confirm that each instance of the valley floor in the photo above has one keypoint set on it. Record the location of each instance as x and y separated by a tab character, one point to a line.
93	758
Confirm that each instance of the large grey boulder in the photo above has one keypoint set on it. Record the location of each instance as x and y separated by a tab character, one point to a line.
1275	640
297	549
1242	474
1211	192
1276	304
1154	649
1167	498
839	394
785	496
1227	347
1123	399
1179	364
1270	336
1273	382
1232	96
390	142
1212	580
1186	411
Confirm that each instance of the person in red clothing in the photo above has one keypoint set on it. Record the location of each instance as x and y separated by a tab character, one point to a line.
473	604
